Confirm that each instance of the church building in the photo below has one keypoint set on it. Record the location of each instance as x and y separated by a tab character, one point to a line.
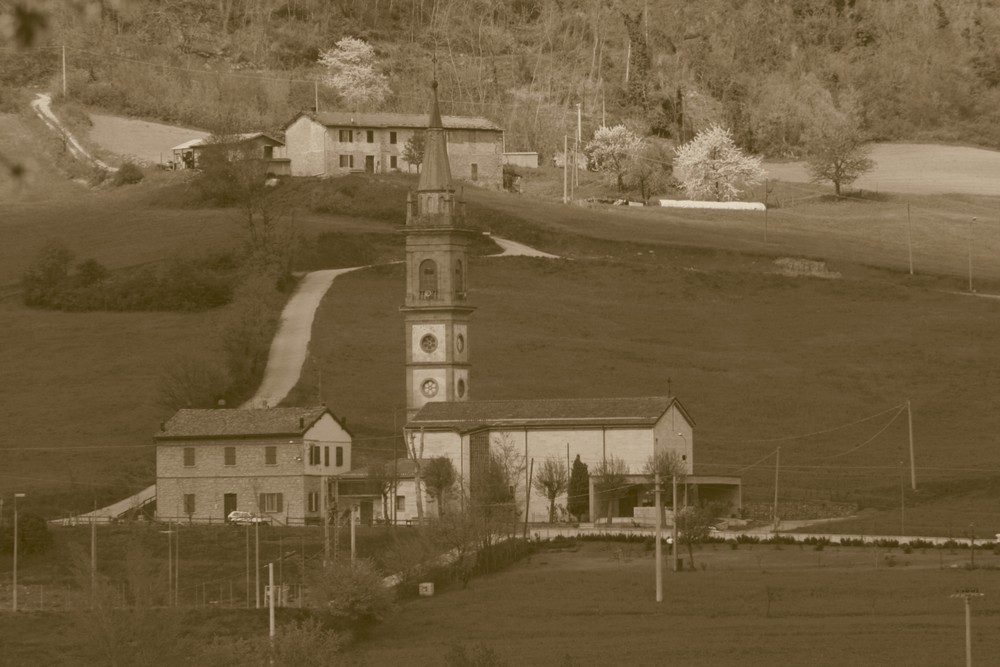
443	421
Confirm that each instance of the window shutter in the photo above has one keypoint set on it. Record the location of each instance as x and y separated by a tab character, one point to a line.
261	506
280	507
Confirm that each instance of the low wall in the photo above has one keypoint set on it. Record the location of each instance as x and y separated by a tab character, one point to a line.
724	205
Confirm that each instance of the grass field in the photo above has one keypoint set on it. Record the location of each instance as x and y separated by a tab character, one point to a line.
573	603
748	607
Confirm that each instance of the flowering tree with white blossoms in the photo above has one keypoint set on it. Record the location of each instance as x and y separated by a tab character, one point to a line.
351	72
611	151
713	168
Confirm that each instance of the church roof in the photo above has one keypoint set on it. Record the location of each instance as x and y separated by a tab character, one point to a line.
393	120
435	172
560	412
228	423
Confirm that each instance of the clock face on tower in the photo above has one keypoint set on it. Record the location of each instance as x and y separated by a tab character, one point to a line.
429	388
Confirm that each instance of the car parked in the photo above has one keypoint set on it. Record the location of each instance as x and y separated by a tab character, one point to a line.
241	518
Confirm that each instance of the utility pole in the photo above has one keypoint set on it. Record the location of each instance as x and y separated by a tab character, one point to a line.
270	598
316	95
170	563
326	522
902	503
64	70
93	557
659	538
16	496
913	464
673	529
247	531
909	244
256	564
967	594
579	139
565	167
777	465
527	494
971	222
354	509
177	567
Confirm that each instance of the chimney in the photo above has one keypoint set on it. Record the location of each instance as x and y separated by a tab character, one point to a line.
302	422
163	426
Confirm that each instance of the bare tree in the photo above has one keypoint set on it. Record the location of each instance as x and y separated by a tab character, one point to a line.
416	455
611	483
667	464
552	481
695	524
380	477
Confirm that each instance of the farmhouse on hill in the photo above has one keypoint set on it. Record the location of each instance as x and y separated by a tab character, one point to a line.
270	462
335	143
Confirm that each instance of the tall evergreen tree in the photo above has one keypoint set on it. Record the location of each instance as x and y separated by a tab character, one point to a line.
579	489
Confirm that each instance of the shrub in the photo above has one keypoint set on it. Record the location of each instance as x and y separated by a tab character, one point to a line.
353	596
129	173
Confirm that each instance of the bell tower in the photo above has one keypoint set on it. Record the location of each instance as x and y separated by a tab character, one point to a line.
436	315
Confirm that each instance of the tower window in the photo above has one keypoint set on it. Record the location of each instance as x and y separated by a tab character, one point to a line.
459	279
428	279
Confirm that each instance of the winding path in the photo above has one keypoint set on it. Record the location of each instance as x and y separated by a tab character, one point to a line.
42	105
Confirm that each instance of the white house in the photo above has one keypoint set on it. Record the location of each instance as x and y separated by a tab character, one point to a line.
334	143
271	462
631	429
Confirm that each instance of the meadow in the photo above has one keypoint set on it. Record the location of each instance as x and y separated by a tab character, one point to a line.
595	605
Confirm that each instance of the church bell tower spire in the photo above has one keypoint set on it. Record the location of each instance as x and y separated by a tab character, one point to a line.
436	314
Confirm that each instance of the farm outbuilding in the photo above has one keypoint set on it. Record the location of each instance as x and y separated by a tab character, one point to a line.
527	159
257	145
335	143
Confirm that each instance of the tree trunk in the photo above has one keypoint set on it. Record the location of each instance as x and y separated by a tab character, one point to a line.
552	510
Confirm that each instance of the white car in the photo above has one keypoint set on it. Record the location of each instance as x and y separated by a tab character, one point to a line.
241	518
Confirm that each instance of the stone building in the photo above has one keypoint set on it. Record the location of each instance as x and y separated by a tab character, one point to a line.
271	462
335	143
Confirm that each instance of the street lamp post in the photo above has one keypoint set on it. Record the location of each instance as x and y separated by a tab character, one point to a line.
16	496
673	529
967	594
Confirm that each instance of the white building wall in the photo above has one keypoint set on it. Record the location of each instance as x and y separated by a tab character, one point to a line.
673	432
305	146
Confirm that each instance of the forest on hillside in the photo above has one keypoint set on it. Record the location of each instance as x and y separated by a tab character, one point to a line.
924	70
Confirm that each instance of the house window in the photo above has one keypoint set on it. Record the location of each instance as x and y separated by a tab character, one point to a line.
229	456
314	501
392	139
346	136
189	457
326	456
270	455
428	279
340	456
400	503
474	171
370	136
189	503
392	162
268	152
347	161
272	502
314	459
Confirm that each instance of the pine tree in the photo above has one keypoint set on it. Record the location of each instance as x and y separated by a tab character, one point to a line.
579	489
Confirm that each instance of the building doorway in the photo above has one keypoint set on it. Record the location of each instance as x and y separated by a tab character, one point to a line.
228	505
370	164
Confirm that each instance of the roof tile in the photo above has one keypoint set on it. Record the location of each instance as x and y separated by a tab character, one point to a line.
228	423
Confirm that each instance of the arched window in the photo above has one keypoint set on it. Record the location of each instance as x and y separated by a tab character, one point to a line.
428	279
459	278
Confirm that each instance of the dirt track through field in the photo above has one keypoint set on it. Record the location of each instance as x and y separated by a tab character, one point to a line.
924	169
139	139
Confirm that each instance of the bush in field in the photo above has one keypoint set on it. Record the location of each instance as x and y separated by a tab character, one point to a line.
128	174
353	596
33	535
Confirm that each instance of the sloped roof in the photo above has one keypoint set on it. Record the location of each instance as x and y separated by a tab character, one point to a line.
435	174
389	120
280	422
560	412
205	141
